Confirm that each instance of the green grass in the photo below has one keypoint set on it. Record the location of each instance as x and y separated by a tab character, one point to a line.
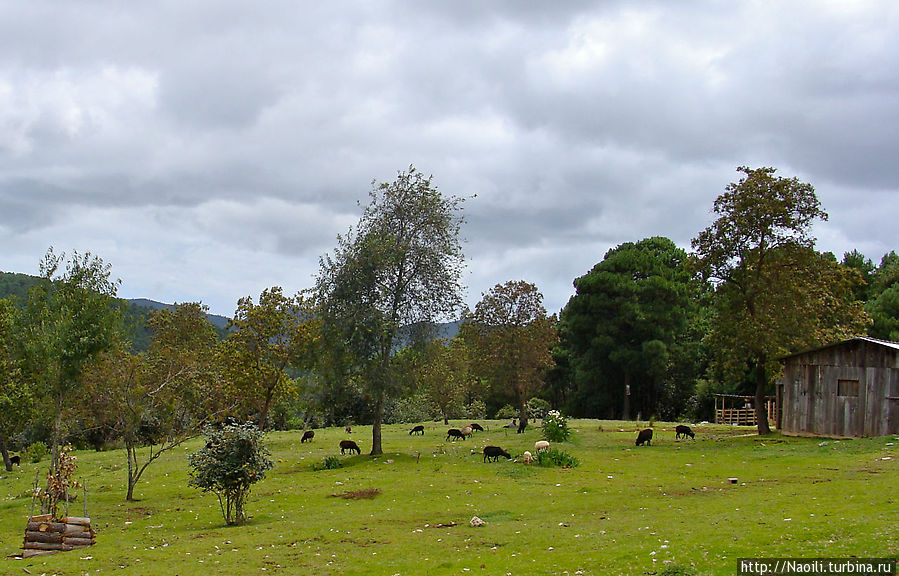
623	510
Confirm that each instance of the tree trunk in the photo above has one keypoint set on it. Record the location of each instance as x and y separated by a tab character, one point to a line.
129	496
627	396
761	384
376	425
5	452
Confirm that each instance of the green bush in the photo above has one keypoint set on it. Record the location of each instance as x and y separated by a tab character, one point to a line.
233	459
555	426
35	452
329	463
554	457
477	410
416	408
538	407
506	412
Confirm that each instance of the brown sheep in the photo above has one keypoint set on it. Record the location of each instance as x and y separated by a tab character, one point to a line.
349	446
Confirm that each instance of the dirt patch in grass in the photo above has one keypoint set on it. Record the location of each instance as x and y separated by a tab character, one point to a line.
141	511
357	494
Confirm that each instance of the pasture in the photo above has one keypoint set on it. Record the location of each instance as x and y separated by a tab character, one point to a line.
623	510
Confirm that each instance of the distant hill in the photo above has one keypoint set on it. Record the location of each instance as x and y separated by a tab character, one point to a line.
136	311
214	319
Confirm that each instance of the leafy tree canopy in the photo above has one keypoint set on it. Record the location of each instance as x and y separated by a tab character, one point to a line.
627	314
399	267
775	294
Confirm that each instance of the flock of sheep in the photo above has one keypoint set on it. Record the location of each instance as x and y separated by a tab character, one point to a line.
492	453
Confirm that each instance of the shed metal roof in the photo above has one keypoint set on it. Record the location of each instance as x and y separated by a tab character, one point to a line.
885	343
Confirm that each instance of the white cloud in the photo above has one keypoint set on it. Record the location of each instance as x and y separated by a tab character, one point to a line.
213	149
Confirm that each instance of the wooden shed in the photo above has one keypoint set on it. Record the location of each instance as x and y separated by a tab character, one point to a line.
847	389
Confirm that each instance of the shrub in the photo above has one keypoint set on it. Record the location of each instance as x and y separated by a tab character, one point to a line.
538	407
506	412
233	459
59	482
556	457
415	408
36	452
555	426
329	463
476	410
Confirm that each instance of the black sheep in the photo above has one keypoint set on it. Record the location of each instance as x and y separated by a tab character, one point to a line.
522	426
417	430
492	453
454	433
349	446
15	460
307	435
476	426
645	436
684	431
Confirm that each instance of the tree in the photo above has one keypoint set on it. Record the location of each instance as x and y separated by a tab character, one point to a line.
16	398
387	282
774	293
857	261
266	341
512	339
883	298
444	376
157	400
626	326
233	459
72	318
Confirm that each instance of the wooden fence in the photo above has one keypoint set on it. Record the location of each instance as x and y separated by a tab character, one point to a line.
742	416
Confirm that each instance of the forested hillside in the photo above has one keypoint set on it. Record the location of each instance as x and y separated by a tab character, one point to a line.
136	311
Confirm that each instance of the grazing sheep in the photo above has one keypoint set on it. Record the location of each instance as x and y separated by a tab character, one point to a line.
420	430
15	460
681	430
645	436
528	458
454	433
349	446
476	426
307	435
541	446
466	431
494	452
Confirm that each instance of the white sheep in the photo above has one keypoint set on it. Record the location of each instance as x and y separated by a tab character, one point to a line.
541	446
528	458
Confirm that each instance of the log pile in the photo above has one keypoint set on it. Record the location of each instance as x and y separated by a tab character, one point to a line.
47	535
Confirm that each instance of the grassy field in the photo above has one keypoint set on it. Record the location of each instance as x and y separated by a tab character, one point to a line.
623	510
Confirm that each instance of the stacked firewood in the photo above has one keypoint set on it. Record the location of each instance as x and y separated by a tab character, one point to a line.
46	535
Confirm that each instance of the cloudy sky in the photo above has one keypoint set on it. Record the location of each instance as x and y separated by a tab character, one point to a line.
211	149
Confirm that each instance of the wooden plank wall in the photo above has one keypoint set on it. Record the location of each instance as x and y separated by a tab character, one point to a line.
811	404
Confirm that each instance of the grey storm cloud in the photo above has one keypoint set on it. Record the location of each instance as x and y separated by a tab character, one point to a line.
210	150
